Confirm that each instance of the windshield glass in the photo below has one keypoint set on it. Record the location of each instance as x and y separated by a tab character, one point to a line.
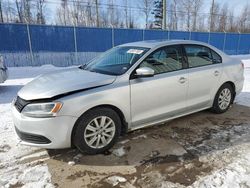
116	61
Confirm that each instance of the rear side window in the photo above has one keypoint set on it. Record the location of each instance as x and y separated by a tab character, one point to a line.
216	57
166	59
201	56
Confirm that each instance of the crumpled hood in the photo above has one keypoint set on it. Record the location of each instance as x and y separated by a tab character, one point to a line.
62	82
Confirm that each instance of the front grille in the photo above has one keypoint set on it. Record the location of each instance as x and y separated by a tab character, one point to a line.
32	138
20	103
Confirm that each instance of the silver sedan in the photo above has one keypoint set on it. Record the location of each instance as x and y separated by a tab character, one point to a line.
126	88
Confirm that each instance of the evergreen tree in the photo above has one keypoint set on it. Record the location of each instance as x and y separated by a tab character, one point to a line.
158	14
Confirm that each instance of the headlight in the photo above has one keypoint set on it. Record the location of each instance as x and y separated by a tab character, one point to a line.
42	109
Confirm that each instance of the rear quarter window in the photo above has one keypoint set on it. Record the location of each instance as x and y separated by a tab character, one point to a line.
199	55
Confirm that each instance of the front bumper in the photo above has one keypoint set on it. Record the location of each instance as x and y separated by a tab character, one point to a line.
50	133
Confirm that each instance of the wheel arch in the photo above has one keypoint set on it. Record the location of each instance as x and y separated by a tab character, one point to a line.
116	109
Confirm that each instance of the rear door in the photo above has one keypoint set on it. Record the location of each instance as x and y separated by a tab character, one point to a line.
164	95
204	72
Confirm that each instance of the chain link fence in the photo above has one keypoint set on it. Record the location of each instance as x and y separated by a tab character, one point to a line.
36	45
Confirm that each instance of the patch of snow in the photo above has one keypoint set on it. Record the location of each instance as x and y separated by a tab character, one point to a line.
233	173
37	176
71	163
140	136
124	141
119	152
115	180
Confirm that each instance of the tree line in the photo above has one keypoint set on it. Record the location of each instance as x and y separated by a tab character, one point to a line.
184	15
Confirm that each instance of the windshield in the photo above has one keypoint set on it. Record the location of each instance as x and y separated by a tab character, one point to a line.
117	60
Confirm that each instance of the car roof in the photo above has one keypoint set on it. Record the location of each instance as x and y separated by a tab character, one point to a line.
156	43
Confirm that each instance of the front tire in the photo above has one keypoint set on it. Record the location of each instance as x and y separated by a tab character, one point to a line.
223	99
97	130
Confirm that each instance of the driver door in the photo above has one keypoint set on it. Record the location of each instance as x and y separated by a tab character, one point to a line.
155	99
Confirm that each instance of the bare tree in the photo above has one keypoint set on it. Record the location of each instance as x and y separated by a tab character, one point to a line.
197	4
19	7
187	5
173	18
114	15
146	6
232	27
244	18
214	15
126	14
63	14
40	18
8	11
223	18
27	11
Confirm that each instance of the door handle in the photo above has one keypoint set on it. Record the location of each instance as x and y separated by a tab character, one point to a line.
216	73
182	80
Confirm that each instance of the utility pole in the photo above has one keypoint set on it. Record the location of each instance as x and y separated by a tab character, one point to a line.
211	16
164	24
97	13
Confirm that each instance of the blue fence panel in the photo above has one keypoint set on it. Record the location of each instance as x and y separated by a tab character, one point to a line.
200	36
93	39
155	35
217	40
231	43
13	38
122	36
244	47
52	38
183	35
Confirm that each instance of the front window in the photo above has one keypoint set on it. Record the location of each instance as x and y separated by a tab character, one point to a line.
116	61
163	60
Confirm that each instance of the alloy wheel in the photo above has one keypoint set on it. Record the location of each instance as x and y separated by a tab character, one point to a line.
99	132
224	99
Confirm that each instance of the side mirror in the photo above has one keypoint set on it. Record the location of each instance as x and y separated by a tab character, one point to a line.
145	72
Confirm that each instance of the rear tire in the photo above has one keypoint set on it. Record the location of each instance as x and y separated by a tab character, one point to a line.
97	130
223	99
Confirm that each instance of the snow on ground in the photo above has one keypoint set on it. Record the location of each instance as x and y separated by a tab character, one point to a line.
244	97
23	166
13	169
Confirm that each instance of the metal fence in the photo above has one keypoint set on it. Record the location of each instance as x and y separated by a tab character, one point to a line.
33	45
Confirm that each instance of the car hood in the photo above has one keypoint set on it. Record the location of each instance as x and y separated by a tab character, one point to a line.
63	82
